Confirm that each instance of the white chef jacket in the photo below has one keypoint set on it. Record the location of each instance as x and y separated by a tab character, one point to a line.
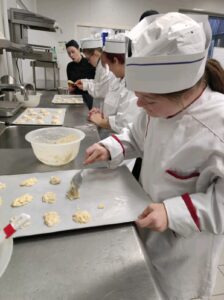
119	105
183	167
99	86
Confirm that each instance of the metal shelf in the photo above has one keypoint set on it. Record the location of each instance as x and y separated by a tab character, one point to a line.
10	46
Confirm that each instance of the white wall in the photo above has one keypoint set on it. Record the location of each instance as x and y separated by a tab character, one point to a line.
97	13
110	13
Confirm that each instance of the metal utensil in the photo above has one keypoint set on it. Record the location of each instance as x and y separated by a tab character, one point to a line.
77	179
75	184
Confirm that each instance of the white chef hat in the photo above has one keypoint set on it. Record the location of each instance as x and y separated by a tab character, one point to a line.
91	43
168	52
115	44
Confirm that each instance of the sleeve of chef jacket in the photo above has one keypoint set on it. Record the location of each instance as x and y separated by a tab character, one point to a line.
126	112
129	143
202	211
98	87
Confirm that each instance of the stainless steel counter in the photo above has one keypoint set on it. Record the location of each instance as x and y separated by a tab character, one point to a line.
106	263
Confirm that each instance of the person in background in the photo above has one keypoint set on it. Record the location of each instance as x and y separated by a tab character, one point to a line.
97	88
78	68
180	136
148	13
119	105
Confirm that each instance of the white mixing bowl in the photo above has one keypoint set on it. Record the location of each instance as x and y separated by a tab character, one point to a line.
33	100
55	146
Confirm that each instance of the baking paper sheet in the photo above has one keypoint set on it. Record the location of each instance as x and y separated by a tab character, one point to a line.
41	116
117	190
67	99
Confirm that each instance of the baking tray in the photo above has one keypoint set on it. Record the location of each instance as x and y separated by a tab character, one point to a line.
41	116
68	99
122	196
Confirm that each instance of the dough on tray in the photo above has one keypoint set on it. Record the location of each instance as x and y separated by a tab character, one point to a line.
55	121
55	180
22	200
101	206
2	185
51	218
29	182
73	193
49	197
81	217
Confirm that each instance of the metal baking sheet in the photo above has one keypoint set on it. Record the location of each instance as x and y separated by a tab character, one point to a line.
67	99
41	116
122	196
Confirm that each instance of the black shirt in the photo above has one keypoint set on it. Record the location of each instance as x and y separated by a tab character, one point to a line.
80	70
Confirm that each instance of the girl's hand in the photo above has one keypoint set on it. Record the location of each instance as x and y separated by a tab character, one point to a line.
93	110
79	84
96	118
99	120
154	217
71	89
96	152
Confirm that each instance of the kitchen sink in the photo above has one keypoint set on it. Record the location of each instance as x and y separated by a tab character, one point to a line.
14	136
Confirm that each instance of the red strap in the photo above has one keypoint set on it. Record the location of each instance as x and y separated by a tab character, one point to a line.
192	209
174	174
9	230
117	139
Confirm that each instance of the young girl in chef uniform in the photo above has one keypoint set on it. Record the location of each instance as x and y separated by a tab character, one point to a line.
119	105
97	87
180	136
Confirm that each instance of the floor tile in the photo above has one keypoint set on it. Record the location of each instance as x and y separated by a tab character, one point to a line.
219	287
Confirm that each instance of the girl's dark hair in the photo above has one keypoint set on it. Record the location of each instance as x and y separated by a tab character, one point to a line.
111	56
91	51
214	75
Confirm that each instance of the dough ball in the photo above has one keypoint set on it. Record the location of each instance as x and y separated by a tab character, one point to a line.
55	180
81	217
22	200
2	186
29	182
51	218
101	206
49	197
73	193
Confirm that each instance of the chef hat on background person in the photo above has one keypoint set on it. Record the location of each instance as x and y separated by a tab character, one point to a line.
91	43
167	53
115	44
